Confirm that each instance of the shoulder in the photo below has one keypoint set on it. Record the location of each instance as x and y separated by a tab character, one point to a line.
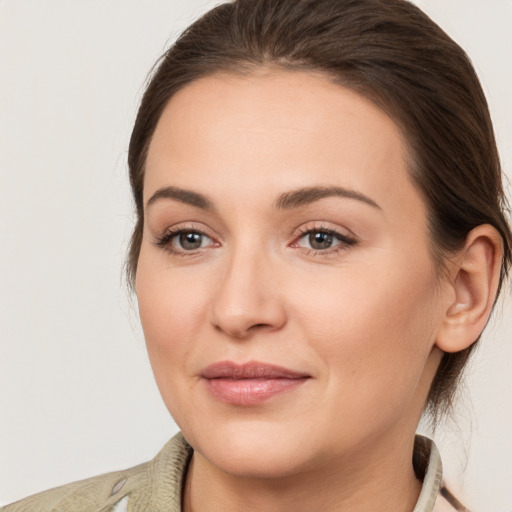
154	485
93	494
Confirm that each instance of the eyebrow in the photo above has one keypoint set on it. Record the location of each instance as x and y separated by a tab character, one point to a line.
181	195
308	195
286	201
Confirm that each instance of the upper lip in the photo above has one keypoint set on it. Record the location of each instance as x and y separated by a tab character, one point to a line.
250	370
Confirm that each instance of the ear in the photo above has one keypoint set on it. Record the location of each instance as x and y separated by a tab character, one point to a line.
474	283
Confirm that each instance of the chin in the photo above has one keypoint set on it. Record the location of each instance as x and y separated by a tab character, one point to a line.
253	450
260	462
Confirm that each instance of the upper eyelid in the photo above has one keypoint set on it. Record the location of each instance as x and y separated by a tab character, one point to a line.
344	239
319	225
190	227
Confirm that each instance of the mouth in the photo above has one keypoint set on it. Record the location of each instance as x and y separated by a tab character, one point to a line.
250	383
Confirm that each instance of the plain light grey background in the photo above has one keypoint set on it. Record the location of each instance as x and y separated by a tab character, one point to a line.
77	397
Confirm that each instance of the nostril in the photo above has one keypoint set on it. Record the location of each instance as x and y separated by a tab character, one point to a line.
240	314
261	327
243	331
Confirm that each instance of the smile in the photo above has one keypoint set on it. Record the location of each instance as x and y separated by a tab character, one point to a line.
250	383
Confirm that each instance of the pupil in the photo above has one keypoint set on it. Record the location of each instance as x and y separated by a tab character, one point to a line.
320	240
190	240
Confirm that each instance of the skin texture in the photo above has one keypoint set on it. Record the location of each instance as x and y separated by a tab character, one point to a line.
363	319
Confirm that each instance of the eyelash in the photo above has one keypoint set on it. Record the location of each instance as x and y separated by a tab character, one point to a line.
164	241
345	240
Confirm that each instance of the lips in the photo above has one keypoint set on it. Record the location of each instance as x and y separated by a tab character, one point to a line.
250	383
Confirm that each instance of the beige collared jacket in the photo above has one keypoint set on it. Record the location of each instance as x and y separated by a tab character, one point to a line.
156	487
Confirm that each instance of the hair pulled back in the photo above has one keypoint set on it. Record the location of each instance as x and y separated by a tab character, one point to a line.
388	51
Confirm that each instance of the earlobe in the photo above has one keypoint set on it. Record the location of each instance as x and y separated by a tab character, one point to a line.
475	278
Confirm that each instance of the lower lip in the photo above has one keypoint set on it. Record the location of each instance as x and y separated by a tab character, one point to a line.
250	391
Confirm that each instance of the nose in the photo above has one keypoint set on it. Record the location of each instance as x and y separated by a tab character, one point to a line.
248	299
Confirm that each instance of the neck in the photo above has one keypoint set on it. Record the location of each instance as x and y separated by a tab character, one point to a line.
377	478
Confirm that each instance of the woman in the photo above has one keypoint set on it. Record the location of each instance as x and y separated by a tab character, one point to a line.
320	242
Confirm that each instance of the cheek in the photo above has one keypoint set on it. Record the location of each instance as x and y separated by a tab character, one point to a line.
373	330
172	312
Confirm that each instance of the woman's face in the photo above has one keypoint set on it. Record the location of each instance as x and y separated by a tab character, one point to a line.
285	284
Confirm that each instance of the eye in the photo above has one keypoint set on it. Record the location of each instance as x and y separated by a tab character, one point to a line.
323	240
319	240
189	240
182	241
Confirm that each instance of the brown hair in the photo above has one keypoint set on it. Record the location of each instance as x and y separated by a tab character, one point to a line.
390	52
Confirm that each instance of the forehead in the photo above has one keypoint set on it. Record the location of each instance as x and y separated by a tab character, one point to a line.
276	129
